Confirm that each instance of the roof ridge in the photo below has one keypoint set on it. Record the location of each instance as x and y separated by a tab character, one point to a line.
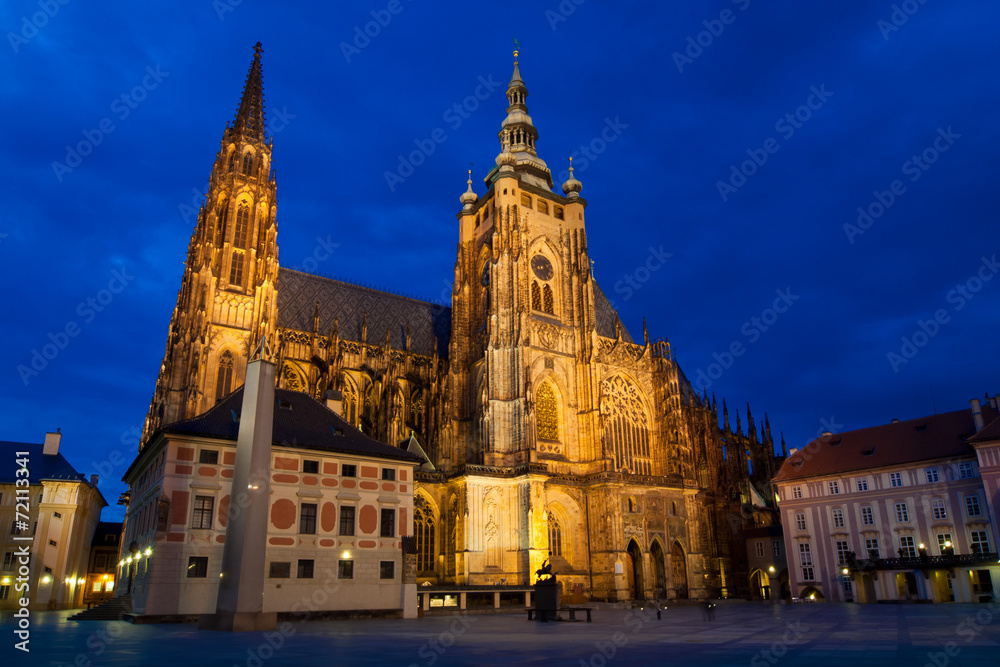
376	290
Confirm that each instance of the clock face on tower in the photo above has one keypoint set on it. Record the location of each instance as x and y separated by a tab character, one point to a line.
542	267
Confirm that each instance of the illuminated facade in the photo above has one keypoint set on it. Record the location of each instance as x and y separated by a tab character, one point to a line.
548	426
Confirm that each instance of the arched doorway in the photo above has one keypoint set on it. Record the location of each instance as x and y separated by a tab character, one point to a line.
656	560
760	585
633	571
678	564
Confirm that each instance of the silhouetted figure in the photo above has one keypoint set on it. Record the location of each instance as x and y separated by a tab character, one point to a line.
709	610
656	606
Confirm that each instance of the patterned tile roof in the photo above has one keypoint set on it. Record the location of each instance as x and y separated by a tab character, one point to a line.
299	292
40	466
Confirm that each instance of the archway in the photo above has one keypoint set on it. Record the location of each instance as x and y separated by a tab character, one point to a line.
678	564
633	567
760	585
657	560
811	593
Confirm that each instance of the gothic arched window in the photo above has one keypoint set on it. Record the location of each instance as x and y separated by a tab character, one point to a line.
232	160
350	406
626	430
242	226
247	163
555	536
547	304
546	413
224	380
220	227
236	268
536	296
423	529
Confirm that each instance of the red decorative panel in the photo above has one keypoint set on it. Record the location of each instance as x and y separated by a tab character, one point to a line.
281	541
228	474
283	514
175	537
285	478
220	538
349	483
369	486
328	517
224	511
185	454
205	471
182	469
229	458
371	472
387	486
179	507
366	544
284	463
326	542
329	482
311	481
402	476
368	519
329	468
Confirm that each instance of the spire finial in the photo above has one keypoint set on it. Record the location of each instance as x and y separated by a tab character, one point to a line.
517	46
572	186
468	198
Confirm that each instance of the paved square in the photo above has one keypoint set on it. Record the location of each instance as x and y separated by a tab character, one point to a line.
741	634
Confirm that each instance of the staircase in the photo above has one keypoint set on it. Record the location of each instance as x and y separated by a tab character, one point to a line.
112	610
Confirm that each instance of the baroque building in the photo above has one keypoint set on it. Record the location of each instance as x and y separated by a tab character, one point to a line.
548	428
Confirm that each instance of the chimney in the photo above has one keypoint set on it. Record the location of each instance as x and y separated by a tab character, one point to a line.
895	420
94	479
334	400
977	414
51	446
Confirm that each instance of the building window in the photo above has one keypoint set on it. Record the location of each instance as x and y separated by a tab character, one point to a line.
838	518
224	379
424	528
626	430
842	550
209	456
546	413
197	567
536	296
388	523
525	200
906	548
389	474
972	505
221	216
543	206
346	520
555	536
558	212
305	569
101	562
902	513
800	521
386	569
871	546
4	592
247	163
52	543
236	268
307	519
348	470
280	570
97	587
547	302
55	514
8	560
760	548
310	467
834	488
232	160
895	479
965	470
796	492
980	544
932	475
867	518
944	543
242	226
203	506
805	554
345	569
937	507
775	547
807	574
862	484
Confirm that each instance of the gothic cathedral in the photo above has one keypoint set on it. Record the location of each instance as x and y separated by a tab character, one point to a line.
549	431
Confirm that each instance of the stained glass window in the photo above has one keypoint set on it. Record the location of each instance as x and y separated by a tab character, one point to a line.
546	413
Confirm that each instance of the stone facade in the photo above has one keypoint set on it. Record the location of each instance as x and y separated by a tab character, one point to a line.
548	427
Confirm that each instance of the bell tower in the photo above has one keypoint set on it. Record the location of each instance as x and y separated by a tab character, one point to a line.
228	298
522	306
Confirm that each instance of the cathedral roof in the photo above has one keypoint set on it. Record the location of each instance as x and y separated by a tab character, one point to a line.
298	294
927	438
299	421
606	316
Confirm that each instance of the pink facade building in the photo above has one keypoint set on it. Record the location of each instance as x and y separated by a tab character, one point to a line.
900	511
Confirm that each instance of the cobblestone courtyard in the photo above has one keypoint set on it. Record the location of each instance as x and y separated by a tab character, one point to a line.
741	634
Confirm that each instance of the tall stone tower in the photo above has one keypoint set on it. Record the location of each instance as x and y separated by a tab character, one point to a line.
228	296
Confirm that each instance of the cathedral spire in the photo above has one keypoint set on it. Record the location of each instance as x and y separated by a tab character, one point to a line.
250	116
518	135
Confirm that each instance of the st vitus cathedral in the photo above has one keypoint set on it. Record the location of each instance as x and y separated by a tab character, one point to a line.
548	428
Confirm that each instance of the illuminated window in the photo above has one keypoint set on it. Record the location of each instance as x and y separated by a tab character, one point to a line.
222	214
555	536
247	163
546	413
242	226
97	587
536	296
525	200
423	527
224	381
236	269
944	542
232	160
543	206
626	430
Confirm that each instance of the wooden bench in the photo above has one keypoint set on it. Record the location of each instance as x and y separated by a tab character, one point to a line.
570	610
